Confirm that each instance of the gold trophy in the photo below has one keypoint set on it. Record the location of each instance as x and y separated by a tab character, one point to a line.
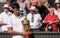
26	25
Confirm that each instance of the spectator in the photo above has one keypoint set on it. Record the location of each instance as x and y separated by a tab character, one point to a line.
51	21
51	2
35	20
43	10
22	5
9	2
15	26
4	17
33	3
57	10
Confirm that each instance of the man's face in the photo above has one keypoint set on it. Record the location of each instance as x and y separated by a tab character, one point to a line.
16	11
6	10
51	10
57	5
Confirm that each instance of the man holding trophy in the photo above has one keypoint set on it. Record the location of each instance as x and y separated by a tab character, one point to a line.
17	24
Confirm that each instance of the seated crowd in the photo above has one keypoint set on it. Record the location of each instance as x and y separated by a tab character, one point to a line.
41	17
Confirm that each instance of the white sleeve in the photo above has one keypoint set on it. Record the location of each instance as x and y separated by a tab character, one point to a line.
40	18
1	17
10	22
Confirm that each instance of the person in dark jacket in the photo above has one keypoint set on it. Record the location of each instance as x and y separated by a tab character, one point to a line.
43	10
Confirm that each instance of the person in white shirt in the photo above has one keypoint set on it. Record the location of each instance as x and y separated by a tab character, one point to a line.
57	8
57	11
4	17
34	18
15	27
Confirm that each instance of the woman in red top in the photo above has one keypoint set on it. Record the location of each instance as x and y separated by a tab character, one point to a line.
51	19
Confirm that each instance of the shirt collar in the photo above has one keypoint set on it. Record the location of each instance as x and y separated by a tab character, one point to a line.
15	16
50	15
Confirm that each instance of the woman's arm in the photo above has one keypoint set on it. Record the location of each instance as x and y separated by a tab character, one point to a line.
38	3
28	4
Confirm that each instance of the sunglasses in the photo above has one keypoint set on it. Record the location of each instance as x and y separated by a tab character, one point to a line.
5	8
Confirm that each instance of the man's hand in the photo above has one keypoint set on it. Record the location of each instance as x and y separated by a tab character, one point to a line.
30	32
26	33
46	29
50	22
23	33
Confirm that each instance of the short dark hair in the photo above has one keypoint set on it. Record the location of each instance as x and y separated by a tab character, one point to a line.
56	6
15	5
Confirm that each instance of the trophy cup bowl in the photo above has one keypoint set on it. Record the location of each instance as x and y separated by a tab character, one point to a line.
26	24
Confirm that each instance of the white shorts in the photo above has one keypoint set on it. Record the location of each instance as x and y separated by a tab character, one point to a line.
17	36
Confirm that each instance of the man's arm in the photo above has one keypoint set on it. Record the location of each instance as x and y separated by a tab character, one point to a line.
56	21
11	31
